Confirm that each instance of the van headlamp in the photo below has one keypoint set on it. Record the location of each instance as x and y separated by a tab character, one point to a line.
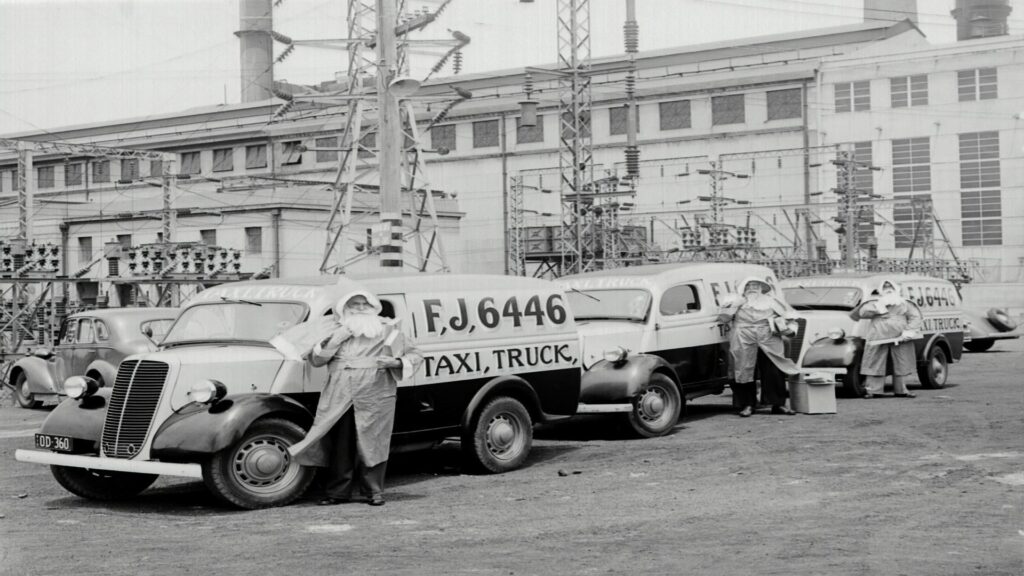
616	355
837	334
207	391
80	387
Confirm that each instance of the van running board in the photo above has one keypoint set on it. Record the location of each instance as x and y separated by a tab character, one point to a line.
603	408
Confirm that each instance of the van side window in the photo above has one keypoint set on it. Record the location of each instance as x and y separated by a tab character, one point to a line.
387	309
69	331
680	300
85	331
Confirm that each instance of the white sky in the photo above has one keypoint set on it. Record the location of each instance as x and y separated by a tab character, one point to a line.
76	62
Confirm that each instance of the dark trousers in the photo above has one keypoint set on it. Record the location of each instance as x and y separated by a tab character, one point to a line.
346	469
773	385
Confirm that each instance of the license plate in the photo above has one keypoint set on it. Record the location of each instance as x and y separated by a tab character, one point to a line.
55	443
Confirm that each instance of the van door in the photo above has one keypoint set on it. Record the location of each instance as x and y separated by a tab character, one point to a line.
688	335
408	406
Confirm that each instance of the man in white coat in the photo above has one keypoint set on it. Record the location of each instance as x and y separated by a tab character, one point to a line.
351	434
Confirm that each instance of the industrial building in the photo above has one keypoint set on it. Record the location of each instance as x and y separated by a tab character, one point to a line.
940	123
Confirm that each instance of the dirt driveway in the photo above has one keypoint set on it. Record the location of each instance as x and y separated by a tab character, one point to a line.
927	486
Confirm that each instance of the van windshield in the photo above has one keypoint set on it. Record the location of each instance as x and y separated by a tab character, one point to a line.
234	321
822	297
618	304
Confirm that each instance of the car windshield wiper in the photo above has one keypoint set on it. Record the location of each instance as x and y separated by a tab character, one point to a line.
239	301
591	296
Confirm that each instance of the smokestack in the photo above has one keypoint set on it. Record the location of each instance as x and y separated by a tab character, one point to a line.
890	10
981	18
257	49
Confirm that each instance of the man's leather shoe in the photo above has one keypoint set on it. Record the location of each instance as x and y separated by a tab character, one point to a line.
746	412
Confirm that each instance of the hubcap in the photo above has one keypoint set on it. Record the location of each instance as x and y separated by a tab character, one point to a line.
263	465
23	391
939	370
504	438
652	405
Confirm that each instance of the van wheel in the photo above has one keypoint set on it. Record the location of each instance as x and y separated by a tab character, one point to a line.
656	409
257	471
500	437
979	345
25	398
853	382
101	484
935	369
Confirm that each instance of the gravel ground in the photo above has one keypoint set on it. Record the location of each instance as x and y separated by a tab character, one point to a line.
889	486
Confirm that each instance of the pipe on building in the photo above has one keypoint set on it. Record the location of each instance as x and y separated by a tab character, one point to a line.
256	49
275	233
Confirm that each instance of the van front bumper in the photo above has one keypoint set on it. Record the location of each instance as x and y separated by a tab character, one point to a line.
109	464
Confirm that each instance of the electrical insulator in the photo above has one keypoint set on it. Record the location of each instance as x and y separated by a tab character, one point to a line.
631	33
457	62
633	161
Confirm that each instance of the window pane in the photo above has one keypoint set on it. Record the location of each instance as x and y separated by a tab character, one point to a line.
485	134
190	163
919	90
674	115
156	168
530	134
84	332
987	84
911	179
223	160
727	110
44	177
130	169
617	118
843	99
102	334
443	137
898	92
861	95
101	171
256	156
84	249
73	175
290	154
327	155
583	125
254	240
208	237
679	300
784	104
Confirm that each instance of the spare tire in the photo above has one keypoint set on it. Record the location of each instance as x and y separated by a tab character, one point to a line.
1000	319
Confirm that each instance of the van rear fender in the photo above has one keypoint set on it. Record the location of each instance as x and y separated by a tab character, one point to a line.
615	382
512	386
938	339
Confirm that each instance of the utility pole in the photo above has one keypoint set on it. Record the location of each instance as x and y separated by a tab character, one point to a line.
849	203
390	137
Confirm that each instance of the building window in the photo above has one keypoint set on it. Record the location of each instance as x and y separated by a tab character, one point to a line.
208	237
125	240
853	96
256	156
327	155
156	168
84	249
73	174
440	137
291	153
485	134
368	145
101	171
568	128
190	163
783	104
977	84
530	134
912	181
727	110
674	115
223	160
981	203
129	169
617	118
254	240
44	177
909	91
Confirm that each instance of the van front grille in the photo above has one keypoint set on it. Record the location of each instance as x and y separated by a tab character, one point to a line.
133	402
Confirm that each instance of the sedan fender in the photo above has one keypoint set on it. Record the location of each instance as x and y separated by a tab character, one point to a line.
37	374
101	371
829	353
619	382
200	429
80	419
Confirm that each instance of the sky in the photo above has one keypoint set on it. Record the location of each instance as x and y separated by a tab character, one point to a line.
74	62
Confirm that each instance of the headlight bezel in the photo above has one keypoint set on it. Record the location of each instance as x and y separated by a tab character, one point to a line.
207	391
836	334
78	387
616	355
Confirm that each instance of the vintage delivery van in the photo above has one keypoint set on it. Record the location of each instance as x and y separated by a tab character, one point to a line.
651	339
217	401
835	342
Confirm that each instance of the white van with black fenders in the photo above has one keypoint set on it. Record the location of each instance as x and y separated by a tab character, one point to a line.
835	341
217	401
651	339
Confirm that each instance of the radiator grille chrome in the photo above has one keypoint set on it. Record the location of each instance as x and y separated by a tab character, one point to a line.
133	402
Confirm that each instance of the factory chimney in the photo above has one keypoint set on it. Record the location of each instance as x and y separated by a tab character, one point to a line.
890	10
257	49
981	18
